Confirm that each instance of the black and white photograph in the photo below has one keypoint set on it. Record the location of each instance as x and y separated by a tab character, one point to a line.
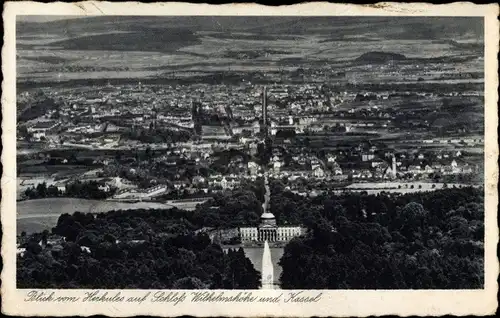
250	152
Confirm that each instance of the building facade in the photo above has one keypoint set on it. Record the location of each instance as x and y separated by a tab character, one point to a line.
269	231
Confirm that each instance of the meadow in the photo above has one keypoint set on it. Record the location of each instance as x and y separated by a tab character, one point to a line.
42	214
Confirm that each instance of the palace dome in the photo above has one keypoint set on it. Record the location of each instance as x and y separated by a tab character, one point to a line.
267	216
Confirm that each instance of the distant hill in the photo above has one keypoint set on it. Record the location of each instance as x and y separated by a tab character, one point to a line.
108	24
393	28
380	57
143	39
396	28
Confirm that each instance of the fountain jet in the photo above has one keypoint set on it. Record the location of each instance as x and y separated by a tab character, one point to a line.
267	268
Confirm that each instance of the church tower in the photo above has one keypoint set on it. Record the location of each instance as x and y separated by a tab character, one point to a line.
394	166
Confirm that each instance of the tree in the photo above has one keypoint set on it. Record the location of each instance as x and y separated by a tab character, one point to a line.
52	191
41	190
148	153
45	235
109	238
429	239
23	132
307	142
33	247
413	212
88	239
408	239
189	283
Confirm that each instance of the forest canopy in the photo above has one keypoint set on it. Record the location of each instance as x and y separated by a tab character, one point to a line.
95	258
431	240
418	240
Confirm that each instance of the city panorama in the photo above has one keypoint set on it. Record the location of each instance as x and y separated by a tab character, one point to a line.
237	152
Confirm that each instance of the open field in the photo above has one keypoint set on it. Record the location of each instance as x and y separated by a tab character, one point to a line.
423	186
397	187
186	205
374	188
38	215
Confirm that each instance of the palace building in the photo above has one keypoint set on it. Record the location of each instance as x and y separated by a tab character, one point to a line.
269	231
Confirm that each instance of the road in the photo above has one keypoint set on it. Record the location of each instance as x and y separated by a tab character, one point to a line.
267	194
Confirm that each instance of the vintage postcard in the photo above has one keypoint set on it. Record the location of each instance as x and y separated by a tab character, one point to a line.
241	160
